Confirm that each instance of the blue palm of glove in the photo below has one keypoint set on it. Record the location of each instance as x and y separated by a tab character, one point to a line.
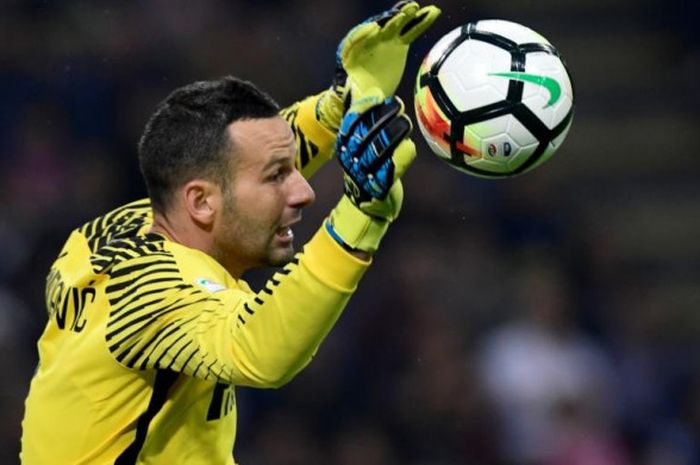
365	145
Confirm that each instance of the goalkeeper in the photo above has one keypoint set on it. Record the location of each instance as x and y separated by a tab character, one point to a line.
151	326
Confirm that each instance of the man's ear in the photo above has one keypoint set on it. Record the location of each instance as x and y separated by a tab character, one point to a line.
202	201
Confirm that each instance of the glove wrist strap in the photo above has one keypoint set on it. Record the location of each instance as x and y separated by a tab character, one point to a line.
355	230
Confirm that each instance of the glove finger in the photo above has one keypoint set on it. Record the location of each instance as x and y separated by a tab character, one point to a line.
404	154
421	21
358	34
373	123
382	18
400	5
396	24
366	117
403	6
394	200
378	117
378	183
382	146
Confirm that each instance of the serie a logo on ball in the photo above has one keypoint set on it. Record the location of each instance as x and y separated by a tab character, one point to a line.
494	99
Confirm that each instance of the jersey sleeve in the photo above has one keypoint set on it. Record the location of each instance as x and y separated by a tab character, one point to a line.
159	321
315	143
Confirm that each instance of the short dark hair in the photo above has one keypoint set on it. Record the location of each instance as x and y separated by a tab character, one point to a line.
186	137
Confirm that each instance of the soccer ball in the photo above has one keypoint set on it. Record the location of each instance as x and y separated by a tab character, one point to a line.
494	99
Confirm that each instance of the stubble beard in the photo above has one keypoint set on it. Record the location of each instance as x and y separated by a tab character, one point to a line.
242	245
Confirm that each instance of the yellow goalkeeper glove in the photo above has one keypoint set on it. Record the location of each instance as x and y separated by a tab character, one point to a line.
374	151
373	55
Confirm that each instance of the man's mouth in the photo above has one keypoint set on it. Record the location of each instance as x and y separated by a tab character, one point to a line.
285	233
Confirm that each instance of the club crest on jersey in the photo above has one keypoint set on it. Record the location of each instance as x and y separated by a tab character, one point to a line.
209	285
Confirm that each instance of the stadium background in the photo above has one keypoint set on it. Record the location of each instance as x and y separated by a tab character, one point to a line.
549	319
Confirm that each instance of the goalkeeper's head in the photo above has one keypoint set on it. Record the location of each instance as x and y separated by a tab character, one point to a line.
218	161
186	137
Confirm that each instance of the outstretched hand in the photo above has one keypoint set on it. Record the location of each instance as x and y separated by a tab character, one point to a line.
372	55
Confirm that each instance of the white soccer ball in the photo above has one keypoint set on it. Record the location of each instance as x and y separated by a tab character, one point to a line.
494	99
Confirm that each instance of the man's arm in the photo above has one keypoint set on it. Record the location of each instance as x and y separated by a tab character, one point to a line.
158	320
372	55
314	140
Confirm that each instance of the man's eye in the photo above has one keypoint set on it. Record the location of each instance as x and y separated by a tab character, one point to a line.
277	176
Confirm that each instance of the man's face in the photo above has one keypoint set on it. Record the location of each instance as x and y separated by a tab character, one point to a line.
265	196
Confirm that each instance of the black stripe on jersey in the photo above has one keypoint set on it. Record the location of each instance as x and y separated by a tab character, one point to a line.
304	156
201	362
123	353
274	281
131	268
170	365
209	372
258	300
151	245
166	350
120	358
147	316
248	309
217	398
116	317
174	327
163	382
88	230
118	286
99	264
140	296
307	150
165	332
118	305
241	320
290	113
121	222
116	250
229	402
132	286
187	362
220	374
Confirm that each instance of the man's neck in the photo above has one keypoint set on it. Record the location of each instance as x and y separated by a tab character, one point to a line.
163	226
181	231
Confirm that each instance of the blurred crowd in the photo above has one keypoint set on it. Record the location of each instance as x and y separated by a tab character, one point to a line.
550	319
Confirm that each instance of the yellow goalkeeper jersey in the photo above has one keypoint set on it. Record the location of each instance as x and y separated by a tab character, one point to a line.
146	339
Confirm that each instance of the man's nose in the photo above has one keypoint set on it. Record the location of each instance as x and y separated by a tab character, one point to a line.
301	194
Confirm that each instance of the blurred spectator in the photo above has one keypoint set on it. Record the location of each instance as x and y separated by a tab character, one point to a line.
540	372
581	438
